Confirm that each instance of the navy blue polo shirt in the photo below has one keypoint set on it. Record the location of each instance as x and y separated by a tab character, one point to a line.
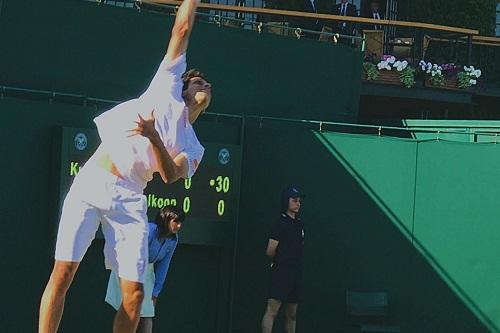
289	233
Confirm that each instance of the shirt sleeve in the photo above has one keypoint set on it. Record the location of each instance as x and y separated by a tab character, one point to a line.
151	231
161	269
168	78
194	155
277	231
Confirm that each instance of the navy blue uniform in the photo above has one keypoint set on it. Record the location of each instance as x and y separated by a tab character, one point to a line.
286	271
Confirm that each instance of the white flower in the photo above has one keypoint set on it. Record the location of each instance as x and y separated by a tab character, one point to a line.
472	81
391	60
384	65
433	73
400	65
477	73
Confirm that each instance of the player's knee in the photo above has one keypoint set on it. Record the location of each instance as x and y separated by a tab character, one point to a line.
62	275
133	297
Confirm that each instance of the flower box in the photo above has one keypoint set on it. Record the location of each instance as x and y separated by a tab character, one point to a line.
387	77
449	84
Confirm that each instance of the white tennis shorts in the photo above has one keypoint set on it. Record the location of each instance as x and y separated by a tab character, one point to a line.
98	197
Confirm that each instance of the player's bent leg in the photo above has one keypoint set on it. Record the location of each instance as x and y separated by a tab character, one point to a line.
127	317
52	304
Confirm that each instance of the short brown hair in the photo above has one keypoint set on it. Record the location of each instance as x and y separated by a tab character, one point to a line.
189	75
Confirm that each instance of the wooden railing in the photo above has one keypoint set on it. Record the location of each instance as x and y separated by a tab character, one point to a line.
418	29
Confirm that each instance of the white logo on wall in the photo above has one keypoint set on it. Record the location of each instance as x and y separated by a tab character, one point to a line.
80	141
224	156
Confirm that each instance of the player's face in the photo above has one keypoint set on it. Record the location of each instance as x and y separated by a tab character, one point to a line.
294	205
200	90
174	226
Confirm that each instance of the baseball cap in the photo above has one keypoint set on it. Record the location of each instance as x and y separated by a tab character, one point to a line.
292	192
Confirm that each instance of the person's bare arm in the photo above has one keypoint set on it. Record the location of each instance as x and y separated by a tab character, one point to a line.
171	169
271	248
181	31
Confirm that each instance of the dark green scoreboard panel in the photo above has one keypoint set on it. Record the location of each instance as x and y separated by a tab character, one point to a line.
209	198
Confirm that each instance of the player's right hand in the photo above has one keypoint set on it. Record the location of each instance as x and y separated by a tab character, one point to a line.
145	127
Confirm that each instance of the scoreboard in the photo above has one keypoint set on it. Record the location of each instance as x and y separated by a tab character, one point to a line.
209	198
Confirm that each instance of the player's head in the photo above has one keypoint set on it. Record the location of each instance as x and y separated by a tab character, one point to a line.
291	200
196	91
169	221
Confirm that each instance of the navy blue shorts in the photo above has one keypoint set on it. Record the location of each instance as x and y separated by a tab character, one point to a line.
285	284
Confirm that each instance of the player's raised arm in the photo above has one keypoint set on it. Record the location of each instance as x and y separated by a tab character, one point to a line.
181	31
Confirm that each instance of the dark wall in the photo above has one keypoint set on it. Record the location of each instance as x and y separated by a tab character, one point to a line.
108	52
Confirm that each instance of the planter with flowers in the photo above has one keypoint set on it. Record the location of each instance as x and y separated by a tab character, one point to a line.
433	74
389	70
448	76
468	77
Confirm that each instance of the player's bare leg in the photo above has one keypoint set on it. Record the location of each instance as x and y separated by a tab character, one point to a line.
52	304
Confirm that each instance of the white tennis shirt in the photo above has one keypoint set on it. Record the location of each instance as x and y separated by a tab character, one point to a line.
133	156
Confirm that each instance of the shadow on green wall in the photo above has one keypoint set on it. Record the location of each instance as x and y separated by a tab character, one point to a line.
351	242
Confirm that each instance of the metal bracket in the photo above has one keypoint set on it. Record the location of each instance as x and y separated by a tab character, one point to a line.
335	38
259	27
298	33
217	20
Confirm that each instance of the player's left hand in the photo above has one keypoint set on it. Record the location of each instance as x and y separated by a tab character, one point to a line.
145	127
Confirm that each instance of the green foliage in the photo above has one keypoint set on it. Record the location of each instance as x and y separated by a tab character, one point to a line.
463	80
370	70
407	77
436	80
